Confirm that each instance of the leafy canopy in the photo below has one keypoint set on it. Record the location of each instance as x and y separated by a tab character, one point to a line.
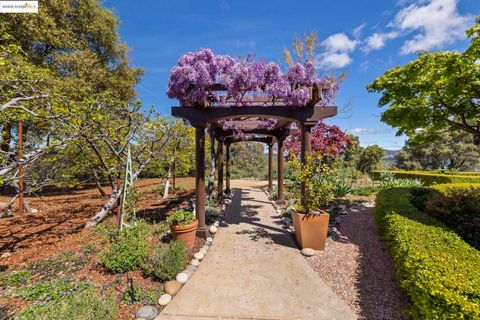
435	91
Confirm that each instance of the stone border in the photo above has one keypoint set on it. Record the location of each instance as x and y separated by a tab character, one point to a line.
182	278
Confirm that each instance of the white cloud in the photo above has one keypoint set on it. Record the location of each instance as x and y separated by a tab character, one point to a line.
339	43
337	49
375	131
357	32
335	60
433	23
438	23
377	40
363	130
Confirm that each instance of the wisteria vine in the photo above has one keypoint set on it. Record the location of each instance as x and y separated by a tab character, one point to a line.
191	81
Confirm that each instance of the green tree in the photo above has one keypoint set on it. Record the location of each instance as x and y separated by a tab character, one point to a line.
370	158
446	150
405	160
248	160
78	40
178	155
436	91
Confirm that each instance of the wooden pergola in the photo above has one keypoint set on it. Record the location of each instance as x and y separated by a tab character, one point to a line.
248	119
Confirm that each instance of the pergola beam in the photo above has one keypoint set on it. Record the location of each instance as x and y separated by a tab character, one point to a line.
301	114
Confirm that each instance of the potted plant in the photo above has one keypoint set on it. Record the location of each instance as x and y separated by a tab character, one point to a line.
183	226
310	221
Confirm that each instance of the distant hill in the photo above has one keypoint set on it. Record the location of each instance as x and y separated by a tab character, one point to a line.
390	155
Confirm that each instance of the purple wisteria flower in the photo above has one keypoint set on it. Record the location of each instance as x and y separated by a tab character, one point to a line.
192	79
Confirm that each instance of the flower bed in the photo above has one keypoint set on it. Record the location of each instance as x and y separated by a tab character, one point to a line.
437	269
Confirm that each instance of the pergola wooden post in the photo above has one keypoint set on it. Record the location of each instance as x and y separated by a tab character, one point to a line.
270	167
280	166
220	169
228	168
306	149
200	180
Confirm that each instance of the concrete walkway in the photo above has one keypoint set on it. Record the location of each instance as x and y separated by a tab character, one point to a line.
254	271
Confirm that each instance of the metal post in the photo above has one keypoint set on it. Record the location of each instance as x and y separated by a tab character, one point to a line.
306	148
20	167
200	180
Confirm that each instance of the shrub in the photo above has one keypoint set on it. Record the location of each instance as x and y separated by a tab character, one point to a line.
458	207
211	214
317	178
127	250
419	197
429	177
342	188
83	305
437	269
165	262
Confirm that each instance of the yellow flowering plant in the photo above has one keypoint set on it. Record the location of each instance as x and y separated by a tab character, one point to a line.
318	179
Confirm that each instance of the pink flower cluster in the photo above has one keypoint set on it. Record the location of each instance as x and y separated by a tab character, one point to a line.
327	140
192	79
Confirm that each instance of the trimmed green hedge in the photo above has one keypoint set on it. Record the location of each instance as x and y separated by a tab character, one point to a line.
438	270
444	188
458	206
429	178
457	173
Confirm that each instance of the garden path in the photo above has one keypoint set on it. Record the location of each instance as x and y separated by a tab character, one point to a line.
254	270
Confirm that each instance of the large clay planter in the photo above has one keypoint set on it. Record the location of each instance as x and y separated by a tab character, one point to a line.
185	233
311	229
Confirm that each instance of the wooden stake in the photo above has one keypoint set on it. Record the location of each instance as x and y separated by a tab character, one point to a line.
20	167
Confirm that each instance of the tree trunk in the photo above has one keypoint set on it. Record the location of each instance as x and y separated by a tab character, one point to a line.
12	201
99	185
100	215
171	168
167	182
173	177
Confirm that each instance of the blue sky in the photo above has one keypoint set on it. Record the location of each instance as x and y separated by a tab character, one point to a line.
364	38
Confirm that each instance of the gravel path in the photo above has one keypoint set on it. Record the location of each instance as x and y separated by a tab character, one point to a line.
357	267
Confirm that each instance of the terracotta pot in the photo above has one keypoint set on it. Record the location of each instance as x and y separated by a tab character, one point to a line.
185	233
311	229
